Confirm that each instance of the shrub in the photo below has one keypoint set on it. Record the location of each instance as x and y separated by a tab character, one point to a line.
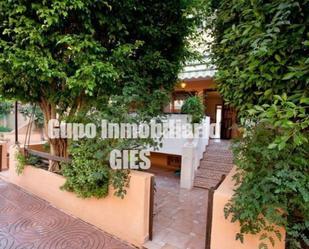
194	107
22	161
273	187
89	173
260	50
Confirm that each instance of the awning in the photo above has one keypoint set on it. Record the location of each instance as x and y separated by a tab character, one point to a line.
197	70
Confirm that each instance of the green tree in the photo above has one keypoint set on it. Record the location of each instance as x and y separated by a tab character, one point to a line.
261	51
69	55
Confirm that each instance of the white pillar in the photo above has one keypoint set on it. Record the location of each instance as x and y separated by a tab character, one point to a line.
187	165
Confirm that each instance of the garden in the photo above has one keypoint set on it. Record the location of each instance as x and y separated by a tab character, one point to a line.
82	61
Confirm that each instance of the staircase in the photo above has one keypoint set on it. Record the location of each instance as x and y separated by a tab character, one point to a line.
217	161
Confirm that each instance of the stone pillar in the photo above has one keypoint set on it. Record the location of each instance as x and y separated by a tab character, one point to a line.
187	165
14	150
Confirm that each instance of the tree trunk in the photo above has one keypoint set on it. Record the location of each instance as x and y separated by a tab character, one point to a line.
58	146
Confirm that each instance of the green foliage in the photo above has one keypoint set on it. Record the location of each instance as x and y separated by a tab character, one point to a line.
273	186
5	107
5	129
288	116
85	175
46	147
22	161
194	107
120	180
68	54
28	110
89	174
260	49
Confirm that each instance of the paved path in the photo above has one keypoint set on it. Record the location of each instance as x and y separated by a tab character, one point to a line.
179	214
27	222
217	161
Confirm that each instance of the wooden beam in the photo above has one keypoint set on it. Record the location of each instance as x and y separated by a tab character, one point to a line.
47	156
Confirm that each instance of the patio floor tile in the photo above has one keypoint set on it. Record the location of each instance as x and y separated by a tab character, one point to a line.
180	215
27	222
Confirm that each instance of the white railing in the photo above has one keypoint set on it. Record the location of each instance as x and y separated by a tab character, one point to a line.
191	149
192	153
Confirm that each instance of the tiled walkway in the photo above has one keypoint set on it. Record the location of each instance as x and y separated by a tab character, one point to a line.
27	222
180	215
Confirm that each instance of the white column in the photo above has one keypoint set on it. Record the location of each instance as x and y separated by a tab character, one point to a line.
187	165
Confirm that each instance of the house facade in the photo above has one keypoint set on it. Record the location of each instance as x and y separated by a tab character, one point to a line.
198	79
181	155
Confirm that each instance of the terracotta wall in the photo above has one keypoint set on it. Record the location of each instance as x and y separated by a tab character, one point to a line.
223	231
127	219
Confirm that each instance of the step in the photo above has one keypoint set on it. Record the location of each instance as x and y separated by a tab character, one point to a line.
212	151
207	173
202	183
216	166
223	171
217	159
218	155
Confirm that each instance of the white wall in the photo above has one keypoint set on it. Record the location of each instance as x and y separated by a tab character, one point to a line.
191	149
175	146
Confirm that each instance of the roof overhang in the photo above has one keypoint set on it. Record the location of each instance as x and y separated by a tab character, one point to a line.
197	71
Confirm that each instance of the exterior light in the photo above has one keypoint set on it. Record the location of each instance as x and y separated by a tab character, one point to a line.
183	85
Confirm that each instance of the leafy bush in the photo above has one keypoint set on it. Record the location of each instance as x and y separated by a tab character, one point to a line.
89	174
22	161
273	176
194	107
260	50
273	187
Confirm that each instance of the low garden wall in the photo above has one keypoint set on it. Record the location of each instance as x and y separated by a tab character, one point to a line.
223	231
127	219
